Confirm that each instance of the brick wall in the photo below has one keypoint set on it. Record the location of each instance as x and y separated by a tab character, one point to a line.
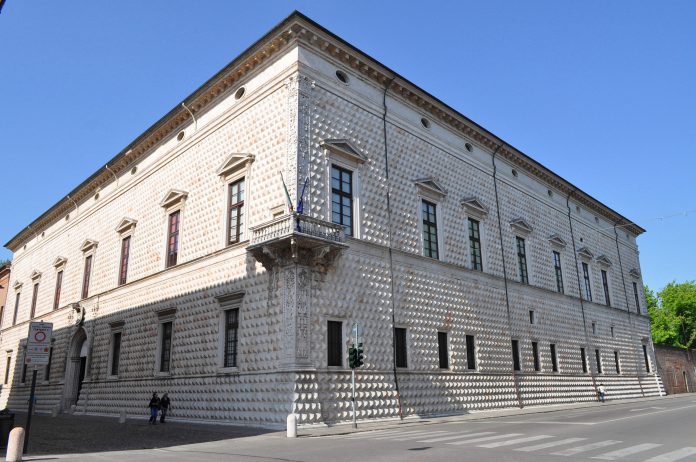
677	368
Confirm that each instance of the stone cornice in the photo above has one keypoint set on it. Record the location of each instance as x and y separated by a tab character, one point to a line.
297	28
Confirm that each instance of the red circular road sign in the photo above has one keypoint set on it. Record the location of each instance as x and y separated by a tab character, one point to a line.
40	336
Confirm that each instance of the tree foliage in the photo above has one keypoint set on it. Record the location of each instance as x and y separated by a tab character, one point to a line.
673	314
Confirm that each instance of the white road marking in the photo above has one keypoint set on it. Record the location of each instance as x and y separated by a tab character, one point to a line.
485	438
647	413
613	455
585	448
550	422
551	444
646	408
674	455
371	434
454	437
499	444
413	435
406	435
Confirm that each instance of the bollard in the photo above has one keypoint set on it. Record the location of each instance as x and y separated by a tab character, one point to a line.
15	445
292	426
122	417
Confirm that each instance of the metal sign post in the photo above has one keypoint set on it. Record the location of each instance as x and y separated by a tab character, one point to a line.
37	354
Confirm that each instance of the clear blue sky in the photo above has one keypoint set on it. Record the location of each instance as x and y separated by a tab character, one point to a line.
600	92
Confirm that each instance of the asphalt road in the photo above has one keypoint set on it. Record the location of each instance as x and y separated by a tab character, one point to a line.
655	431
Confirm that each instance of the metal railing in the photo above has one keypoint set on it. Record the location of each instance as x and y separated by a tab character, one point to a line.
296	223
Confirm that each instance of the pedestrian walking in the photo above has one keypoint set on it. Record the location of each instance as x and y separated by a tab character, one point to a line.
601	391
164	406
154	408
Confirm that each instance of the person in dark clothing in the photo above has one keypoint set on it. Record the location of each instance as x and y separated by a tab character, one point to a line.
154	408
164	407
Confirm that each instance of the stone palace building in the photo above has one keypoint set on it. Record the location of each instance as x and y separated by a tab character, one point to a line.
480	279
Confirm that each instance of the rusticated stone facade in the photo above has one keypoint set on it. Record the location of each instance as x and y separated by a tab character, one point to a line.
299	103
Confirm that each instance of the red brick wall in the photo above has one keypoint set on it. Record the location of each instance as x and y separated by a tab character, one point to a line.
677	368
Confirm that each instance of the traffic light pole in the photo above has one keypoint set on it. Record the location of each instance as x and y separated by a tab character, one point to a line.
355	345
30	411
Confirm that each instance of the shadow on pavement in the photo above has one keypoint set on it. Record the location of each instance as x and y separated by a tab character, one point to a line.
70	434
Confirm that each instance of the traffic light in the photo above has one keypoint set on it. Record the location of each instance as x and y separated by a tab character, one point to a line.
352	357
359	356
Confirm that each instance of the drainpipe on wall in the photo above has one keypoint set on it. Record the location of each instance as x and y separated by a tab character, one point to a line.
195	122
515	378
628	310
391	255
582	303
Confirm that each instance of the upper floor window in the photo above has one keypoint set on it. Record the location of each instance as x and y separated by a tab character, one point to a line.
342	198
605	285
235	212
535	356
475	245
34	297
558	271
86	276
123	267
59	286
429	213
635	294
16	308
522	260
173	238
586	278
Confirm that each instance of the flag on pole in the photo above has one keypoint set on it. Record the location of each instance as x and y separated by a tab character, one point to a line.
300	203
287	194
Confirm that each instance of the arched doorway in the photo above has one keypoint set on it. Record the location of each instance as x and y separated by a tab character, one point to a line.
76	367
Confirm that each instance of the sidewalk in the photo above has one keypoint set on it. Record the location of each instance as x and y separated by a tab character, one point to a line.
346	428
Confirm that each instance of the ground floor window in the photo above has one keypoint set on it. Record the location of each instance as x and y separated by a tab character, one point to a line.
598	357
535	356
334	341
165	346
400	349
516	355
470	352
442	350
584	360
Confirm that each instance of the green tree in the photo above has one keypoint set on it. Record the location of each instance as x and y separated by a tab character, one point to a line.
673	314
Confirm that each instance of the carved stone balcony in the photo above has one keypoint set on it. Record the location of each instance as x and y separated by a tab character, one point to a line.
296	238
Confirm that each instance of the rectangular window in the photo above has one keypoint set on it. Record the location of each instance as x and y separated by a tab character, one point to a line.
559	271
442	350
166	346
645	357
47	369
554	358
34	296
516	355
334	343
616	361
16	308
2	314
429	229
7	369
531	316
584	360
605	284
115	352
586	277
635	295
594	328
123	267
86	276
535	356
342	198
59	286
470	352
522	261
611	329
475	245
235	212
173	238
23	378
400	347
598	357
231	336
